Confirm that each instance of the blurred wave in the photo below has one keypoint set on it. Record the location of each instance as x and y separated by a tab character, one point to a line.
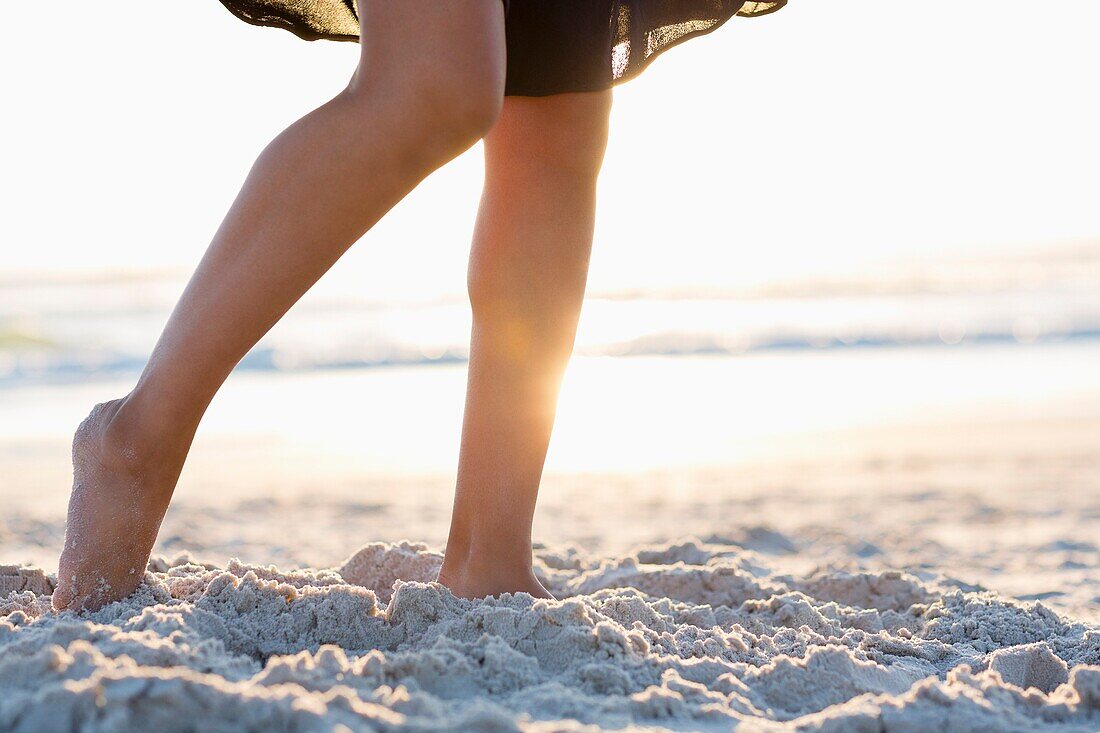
58	328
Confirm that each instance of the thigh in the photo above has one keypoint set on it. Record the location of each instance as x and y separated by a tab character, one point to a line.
433	39
567	132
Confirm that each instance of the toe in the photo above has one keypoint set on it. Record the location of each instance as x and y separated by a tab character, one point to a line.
64	594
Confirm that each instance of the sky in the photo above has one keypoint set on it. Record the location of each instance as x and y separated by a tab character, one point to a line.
825	139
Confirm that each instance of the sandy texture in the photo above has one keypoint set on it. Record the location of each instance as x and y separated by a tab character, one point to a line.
690	635
947	586
1015	512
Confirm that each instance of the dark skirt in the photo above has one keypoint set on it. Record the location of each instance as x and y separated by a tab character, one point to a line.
554	46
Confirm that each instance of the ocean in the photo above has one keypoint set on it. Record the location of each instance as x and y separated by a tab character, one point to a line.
679	378
58	329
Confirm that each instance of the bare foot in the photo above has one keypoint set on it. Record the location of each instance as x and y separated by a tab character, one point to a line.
119	497
476	580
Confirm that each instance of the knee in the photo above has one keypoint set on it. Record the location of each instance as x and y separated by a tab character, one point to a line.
453	116
434	117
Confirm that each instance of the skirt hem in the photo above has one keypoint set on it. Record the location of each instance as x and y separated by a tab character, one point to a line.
632	72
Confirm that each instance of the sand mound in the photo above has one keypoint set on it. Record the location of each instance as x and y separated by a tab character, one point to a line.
688	636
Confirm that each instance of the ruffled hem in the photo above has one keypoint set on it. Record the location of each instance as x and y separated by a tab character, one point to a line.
634	49
629	34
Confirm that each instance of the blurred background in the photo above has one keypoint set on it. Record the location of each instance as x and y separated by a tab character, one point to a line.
836	235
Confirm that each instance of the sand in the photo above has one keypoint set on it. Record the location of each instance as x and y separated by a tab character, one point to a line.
951	587
692	635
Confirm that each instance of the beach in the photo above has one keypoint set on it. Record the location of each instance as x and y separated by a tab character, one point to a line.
931	562
826	456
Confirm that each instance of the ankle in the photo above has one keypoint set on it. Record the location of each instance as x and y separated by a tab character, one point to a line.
136	437
486	556
477	576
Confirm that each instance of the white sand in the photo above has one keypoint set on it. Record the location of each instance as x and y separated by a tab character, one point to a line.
951	584
688	636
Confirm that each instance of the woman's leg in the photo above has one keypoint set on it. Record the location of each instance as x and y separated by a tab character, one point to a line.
528	269
429	85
